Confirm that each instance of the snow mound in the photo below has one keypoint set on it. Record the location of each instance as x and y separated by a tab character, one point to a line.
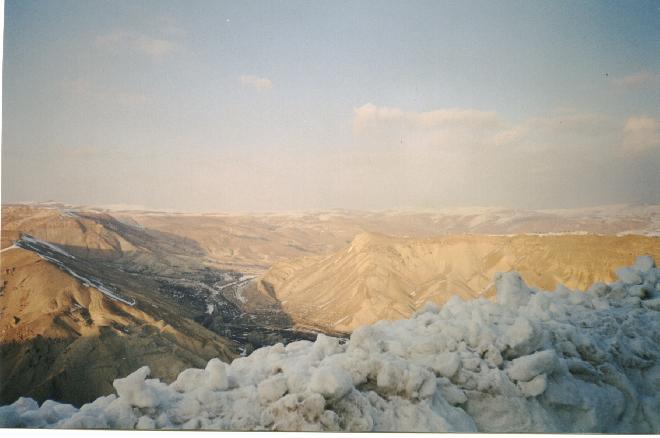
563	361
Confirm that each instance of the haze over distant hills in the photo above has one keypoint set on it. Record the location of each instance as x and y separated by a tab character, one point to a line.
254	241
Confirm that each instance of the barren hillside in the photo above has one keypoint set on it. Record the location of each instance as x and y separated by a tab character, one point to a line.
65	340
253	242
381	277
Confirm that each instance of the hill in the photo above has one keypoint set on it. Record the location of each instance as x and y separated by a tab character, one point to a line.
66	339
528	361
382	277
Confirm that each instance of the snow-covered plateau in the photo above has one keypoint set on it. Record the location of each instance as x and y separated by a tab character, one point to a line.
532	361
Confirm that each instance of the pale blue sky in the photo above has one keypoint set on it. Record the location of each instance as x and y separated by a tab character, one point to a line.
269	105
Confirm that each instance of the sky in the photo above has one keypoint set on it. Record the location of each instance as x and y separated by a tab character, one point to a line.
300	105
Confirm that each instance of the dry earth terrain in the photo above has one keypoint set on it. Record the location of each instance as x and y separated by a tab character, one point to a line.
89	294
64	340
254	242
382	277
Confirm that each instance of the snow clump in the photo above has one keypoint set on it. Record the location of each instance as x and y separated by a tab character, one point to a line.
532	361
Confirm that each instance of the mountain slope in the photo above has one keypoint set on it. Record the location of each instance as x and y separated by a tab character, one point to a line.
528	362
86	291
254	242
381	277
135	261
64	340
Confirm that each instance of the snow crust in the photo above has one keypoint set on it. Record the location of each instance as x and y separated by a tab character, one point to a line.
31	239
532	361
37	246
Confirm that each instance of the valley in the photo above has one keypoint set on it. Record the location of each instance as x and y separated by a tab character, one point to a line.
90	294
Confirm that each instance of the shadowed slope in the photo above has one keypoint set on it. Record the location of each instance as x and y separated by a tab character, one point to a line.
64	340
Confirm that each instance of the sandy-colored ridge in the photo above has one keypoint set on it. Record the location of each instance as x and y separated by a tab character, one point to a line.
381	277
41	293
66	229
61	339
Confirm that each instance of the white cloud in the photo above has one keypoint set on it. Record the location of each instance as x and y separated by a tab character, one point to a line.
459	130
137	42
169	26
153	46
458	155
510	135
448	129
452	117
80	152
131	99
641	134
256	82
371	113
83	88
562	127
457	117
643	79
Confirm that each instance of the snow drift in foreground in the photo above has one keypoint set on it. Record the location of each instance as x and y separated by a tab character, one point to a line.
531	362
